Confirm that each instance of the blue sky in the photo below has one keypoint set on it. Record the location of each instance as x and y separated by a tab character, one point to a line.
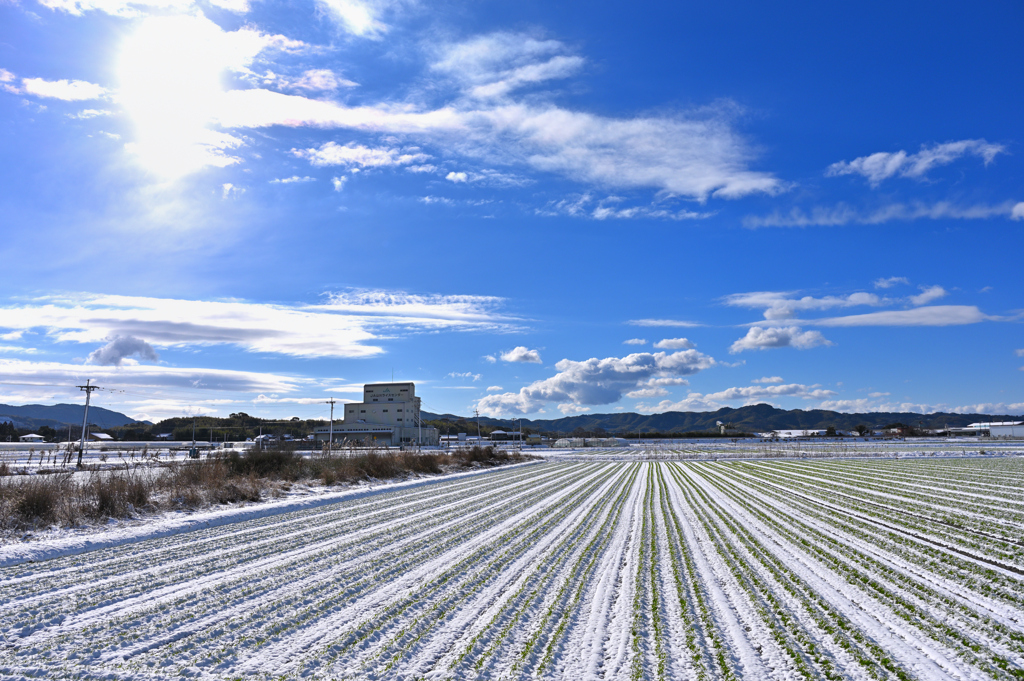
232	205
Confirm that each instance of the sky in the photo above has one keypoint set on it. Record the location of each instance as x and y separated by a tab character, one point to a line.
530	209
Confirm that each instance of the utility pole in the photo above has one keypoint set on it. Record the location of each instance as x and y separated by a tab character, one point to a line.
88	388
476	413
330	446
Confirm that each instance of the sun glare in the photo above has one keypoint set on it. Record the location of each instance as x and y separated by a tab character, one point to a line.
171	70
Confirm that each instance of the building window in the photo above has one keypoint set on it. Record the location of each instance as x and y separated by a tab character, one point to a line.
385	411
399	410
399	418
391	399
362	411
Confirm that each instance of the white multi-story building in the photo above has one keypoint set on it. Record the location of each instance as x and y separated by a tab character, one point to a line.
388	415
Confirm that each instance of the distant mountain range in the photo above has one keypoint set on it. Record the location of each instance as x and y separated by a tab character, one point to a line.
755	418
33	416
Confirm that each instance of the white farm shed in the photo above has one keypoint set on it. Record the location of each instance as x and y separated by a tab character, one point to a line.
1007	430
31	437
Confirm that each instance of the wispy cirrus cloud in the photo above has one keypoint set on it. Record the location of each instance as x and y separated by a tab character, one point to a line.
359	156
889	282
663	322
786	304
348	324
843	214
495	64
933	315
884	165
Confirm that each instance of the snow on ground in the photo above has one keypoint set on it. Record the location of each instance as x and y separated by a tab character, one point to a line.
594	569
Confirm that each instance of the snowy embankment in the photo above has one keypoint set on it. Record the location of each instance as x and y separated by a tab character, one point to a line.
73	541
865	569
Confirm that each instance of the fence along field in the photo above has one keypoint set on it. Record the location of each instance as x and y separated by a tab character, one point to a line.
865	569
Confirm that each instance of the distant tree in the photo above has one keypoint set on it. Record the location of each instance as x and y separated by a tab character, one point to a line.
48	433
861	429
830	431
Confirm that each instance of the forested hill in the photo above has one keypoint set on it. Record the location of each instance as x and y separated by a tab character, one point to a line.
750	419
54	415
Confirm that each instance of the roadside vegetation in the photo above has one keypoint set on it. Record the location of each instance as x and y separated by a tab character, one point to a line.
69	499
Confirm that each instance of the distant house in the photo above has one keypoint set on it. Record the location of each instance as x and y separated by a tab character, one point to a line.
100	437
31	437
789	434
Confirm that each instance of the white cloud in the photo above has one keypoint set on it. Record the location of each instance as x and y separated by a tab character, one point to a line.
936	315
695	156
858	406
319	80
757	393
663	322
878	394
521	353
347	325
236	6
456	177
148	376
123	8
674	344
635	341
294	179
491	358
360	17
1017	213
493	65
67	90
768	379
339	182
494	388
596	381
781	305
845	215
587	206
762	338
6	76
749	394
464	374
667	380
354	155
647	392
692	402
228	189
889	282
1019	352
928	294
119	348
882	165
570	408
86	114
17	349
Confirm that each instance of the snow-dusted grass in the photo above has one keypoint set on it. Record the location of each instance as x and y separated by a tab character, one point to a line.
861	569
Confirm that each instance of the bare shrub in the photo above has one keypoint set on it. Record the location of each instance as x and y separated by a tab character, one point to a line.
117	493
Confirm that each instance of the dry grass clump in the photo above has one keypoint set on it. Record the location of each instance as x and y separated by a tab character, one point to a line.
33	501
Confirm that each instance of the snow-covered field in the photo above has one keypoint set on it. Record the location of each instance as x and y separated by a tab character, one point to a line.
869	568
